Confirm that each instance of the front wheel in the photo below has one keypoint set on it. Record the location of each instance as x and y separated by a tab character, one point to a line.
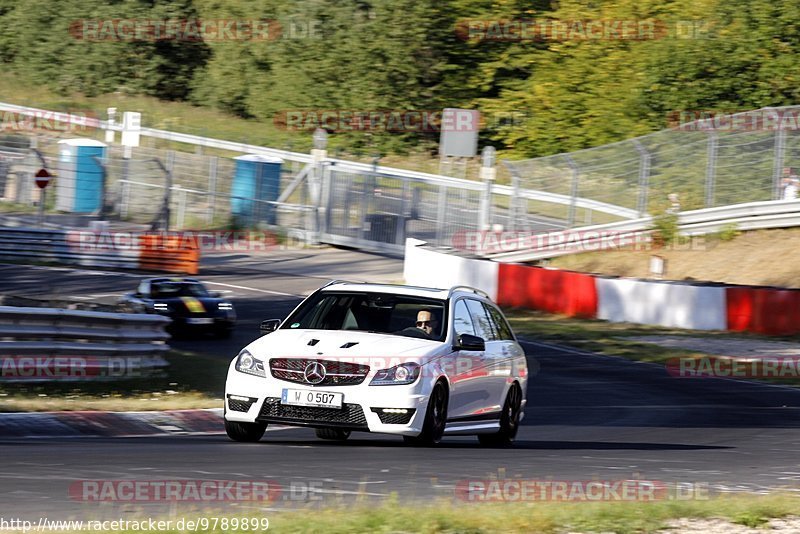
333	434
435	419
245	432
509	421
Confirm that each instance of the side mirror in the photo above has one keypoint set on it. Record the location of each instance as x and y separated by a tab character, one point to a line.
470	342
215	294
270	325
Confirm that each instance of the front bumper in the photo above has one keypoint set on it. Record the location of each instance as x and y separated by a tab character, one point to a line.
363	405
187	323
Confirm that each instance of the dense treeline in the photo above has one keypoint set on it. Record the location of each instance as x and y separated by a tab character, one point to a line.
540	96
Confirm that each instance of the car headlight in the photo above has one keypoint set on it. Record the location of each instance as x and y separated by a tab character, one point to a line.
161	307
246	363
225	306
403	374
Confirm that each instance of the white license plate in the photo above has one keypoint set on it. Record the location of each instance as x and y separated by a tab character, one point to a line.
318	399
200	320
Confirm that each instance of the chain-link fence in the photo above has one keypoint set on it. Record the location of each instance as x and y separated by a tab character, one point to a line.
326	201
717	160
374	207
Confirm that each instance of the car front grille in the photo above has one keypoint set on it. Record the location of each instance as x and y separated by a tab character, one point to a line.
350	416
336	373
389	418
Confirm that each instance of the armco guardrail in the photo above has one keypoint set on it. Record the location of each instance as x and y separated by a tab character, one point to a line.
750	216
49	344
154	252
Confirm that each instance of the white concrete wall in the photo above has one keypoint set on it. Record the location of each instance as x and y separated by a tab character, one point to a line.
424	267
659	303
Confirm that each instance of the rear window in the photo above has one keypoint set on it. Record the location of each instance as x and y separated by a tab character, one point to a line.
177	289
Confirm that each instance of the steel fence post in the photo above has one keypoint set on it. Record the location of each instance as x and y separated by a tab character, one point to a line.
441	213
644	177
778	161
212	189
711	168
573	190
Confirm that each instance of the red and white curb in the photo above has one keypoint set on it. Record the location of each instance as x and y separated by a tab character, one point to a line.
111	424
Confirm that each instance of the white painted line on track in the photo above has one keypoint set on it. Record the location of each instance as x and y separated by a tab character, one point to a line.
269	292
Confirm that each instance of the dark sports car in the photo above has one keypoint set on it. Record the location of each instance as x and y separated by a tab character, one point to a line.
186	301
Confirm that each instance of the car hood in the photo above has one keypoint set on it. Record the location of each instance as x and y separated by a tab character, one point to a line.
339	344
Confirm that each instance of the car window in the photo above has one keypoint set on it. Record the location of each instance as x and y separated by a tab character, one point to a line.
483	326
370	312
499	323
177	289
462	322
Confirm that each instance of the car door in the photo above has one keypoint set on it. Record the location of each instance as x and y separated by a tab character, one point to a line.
508	358
467	395
492	378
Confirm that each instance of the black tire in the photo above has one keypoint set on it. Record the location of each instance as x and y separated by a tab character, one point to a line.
245	432
509	421
333	434
435	419
224	332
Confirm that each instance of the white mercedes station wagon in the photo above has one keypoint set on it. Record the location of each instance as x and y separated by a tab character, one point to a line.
411	361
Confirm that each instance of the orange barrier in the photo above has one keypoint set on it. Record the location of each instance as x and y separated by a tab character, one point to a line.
554	291
169	254
763	310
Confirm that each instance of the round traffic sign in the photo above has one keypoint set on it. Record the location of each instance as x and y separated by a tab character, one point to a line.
42	178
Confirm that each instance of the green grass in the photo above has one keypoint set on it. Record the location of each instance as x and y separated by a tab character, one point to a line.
610	338
190	381
532	517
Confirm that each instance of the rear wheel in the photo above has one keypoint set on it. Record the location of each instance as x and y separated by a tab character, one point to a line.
333	434
435	419
247	432
509	421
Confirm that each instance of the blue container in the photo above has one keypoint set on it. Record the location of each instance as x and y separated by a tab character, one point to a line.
256	178
79	184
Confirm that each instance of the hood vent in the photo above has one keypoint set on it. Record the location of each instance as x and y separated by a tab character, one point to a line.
313	342
349	344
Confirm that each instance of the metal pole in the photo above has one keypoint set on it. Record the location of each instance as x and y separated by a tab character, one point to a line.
441	211
644	177
103	186
711	168
573	190
42	200
777	162
212	189
181	208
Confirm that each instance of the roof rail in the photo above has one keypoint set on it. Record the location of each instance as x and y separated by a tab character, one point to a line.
469	288
332	282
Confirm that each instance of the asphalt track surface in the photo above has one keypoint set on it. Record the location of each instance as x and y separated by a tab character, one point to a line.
589	418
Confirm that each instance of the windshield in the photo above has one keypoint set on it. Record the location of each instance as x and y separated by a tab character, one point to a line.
383	313
163	290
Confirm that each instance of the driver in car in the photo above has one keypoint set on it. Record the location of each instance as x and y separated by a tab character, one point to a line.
427	326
